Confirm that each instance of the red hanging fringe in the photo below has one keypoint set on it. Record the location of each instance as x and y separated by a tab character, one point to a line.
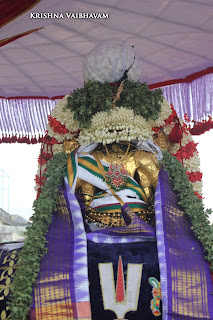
24	139
201	127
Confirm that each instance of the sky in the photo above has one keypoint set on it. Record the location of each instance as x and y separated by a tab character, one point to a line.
20	163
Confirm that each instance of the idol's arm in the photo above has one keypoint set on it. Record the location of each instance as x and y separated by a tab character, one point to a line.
86	190
148	170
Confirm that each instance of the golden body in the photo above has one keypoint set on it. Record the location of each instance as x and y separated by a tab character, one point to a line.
140	165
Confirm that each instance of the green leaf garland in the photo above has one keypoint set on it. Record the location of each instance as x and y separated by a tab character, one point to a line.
95	96
86	101
144	102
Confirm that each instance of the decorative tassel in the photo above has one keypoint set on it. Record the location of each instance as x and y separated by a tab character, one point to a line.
201	127
176	134
34	141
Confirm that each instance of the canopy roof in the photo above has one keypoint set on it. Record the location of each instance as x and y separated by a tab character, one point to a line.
43	57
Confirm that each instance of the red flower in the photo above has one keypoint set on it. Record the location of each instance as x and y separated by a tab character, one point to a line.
38	193
187	151
40	180
44	157
172	116
49	140
176	134
57	126
41	160
198	195
186	117
194	176
53	141
169	120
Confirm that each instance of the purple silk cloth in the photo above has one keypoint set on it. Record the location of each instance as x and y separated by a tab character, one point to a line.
185	274
62	292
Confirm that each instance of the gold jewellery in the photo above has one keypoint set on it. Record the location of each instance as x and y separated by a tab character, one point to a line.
109	220
117	176
70	145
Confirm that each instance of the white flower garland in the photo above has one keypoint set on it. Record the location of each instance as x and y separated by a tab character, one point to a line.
40	172
167	129
106	127
192	164
166	111
60	137
186	138
197	186
119	124
56	148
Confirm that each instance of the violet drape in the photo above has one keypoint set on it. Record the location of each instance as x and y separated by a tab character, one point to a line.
194	98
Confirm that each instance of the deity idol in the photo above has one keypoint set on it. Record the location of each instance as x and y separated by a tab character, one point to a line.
117	206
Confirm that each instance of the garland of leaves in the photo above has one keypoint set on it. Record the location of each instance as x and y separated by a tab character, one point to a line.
86	101
193	206
96	96
144	102
35	244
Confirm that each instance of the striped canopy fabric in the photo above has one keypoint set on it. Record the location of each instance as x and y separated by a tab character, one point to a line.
27	117
43	43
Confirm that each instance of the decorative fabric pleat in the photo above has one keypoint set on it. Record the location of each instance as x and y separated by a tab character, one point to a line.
62	289
185	274
27	117
24	117
194	98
